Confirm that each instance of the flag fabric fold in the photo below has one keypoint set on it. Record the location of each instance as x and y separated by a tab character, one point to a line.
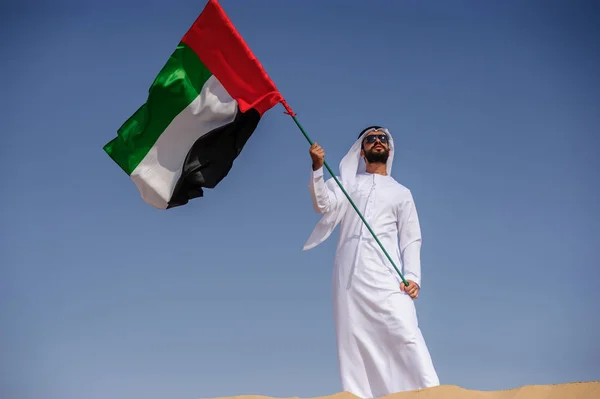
203	106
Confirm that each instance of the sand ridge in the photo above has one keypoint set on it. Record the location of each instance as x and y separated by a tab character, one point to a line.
573	390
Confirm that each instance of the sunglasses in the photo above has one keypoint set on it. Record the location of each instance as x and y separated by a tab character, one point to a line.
383	138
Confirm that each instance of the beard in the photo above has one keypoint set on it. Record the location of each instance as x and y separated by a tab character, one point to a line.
377	156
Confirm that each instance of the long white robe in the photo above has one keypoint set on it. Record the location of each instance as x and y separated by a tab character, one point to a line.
380	346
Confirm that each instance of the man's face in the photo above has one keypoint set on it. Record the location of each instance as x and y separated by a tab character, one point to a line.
376	147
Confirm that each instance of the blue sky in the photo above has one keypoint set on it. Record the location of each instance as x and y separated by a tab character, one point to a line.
495	110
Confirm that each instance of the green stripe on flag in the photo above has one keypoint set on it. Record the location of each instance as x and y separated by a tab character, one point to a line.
176	86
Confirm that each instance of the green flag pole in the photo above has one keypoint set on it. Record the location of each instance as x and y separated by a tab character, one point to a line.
293	115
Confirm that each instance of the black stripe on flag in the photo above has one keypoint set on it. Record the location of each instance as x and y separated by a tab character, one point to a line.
211	157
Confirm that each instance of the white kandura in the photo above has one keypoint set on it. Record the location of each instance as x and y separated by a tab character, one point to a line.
381	349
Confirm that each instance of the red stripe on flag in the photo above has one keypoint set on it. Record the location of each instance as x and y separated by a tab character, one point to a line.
220	47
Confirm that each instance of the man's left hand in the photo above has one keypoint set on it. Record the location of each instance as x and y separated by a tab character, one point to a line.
412	289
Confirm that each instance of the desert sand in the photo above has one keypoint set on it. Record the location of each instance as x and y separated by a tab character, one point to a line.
576	390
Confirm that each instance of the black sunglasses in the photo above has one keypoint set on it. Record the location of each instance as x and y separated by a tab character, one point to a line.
371	139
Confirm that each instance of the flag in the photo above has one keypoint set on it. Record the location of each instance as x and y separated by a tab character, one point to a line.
201	109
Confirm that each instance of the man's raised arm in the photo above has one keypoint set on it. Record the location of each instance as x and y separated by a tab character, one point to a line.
323	198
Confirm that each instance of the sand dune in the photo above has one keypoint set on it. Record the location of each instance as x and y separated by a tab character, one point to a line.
584	390
577	390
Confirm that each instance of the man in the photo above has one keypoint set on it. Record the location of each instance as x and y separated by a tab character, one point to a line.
380	347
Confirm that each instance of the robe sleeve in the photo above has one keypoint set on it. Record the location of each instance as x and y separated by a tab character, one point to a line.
323	198
410	239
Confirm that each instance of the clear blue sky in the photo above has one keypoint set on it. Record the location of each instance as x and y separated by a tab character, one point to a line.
495	107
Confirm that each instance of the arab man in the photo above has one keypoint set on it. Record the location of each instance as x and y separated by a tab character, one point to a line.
380	347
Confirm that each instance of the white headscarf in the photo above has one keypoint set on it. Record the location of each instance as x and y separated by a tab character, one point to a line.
351	165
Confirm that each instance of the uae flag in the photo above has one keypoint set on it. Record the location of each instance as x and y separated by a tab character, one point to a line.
201	109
